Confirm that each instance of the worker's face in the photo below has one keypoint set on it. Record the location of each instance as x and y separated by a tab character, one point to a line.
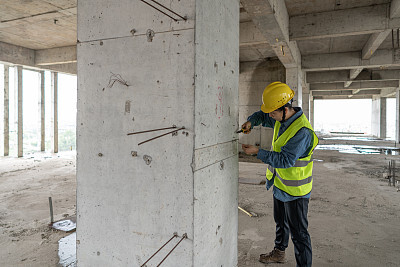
276	115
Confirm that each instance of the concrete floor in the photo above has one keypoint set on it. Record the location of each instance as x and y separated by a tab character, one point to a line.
353	213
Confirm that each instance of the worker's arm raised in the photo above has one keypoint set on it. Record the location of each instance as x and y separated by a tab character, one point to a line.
262	118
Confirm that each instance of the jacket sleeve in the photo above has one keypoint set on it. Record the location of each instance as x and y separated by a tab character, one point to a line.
298	146
262	118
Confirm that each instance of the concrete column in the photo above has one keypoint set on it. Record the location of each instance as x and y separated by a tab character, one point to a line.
378	117
54	112
42	113
19	91
146	71
306	99
383	117
398	116
311	118
294	77
6	110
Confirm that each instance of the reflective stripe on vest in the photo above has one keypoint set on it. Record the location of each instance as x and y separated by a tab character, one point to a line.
302	163
290	182
294	182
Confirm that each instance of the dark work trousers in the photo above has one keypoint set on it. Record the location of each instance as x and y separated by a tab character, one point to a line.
292	217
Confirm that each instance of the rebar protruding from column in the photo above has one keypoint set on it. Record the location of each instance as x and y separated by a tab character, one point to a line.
154	130
51	210
163	11
175	235
183	237
151	139
169	10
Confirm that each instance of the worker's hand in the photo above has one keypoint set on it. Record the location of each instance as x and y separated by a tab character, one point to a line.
249	149
246	127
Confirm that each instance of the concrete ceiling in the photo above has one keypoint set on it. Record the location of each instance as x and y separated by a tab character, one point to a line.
340	41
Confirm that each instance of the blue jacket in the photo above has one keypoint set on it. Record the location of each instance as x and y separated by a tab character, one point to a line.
298	146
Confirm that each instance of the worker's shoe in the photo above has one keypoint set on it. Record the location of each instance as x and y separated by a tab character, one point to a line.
275	256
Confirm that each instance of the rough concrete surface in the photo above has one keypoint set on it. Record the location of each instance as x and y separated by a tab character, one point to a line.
353	213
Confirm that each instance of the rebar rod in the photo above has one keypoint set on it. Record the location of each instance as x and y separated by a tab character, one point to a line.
154	130
175	235
169	9
183	237
151	139
159	10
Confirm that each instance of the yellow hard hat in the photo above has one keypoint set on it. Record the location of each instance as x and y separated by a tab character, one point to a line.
276	95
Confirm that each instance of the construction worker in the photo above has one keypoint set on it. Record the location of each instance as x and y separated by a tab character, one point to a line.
289	170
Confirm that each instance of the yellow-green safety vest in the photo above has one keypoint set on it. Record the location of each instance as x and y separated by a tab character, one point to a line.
296	180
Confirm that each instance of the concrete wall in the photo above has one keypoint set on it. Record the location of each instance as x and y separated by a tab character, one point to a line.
187	76
254	77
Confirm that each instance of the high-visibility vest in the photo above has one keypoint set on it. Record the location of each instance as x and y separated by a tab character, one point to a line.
296	180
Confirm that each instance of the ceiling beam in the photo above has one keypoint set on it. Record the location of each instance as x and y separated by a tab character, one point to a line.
343	97
16	54
395	9
56	56
354	21
354	85
343	76
347	92
353	74
351	60
388	92
272	20
374	41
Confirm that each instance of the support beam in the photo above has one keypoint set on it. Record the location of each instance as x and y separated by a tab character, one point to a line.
57	59
42	113
54	112
343	76
373	43
354	21
19	90
395	9
351	60
343	97
347	92
272	19
353	74
6	110
355	85
54	56
16	54
388	92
